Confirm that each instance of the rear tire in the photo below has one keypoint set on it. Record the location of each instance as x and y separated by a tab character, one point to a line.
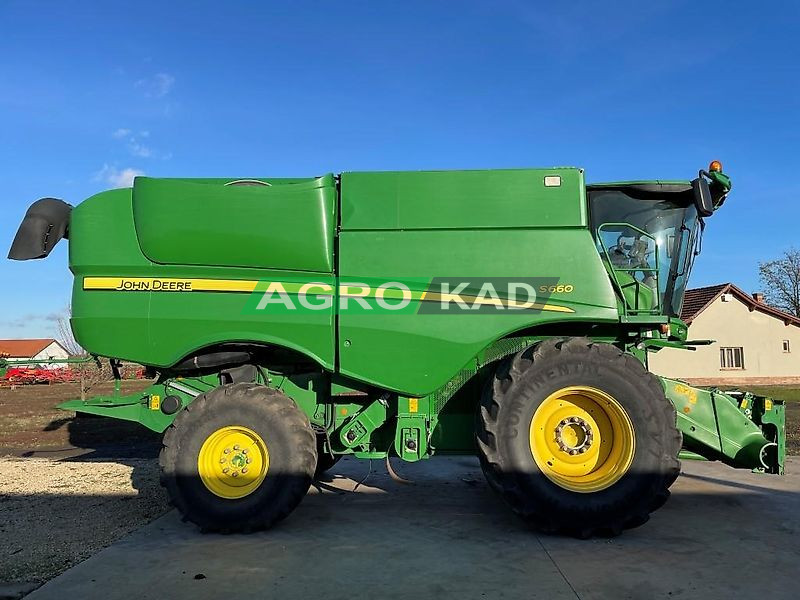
254	431
578	438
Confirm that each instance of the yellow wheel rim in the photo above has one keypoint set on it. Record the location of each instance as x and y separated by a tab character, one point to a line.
233	462
582	439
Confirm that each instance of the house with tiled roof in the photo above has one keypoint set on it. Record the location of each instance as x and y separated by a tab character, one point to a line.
32	349
754	343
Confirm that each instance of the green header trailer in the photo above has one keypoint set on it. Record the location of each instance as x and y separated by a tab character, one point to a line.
505	313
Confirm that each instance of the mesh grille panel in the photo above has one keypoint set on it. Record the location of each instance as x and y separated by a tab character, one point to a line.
496	351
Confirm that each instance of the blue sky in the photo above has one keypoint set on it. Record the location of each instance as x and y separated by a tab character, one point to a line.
91	93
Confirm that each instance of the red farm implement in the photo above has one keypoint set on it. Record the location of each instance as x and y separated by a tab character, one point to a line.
25	375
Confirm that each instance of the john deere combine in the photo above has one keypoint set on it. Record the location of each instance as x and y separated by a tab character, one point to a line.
508	313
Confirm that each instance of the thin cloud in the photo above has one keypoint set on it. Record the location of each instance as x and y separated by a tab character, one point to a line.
136	146
157	86
30	319
16	323
118	178
140	150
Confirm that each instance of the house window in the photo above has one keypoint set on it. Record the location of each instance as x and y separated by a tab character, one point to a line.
786	347
731	358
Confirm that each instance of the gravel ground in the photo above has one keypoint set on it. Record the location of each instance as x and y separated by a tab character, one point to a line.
55	513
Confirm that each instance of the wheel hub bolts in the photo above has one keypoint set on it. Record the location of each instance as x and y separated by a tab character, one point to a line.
574	435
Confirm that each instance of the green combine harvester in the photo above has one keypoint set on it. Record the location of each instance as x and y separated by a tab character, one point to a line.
503	313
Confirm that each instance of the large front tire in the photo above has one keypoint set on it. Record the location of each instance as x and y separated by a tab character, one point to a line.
239	458
578	438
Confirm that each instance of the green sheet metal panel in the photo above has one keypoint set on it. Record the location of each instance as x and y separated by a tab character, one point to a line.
159	327
205	222
181	323
103	242
464	199
418	353
415	354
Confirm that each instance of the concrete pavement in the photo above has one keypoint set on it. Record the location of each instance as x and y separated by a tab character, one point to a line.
723	534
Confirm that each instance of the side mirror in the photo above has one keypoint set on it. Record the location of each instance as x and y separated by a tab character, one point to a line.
702	196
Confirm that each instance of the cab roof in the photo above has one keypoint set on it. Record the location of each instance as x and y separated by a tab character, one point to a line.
652	186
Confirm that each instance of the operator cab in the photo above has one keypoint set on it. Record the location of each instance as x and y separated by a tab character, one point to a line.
649	233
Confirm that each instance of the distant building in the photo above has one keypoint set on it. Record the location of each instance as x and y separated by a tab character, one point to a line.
755	343
38	349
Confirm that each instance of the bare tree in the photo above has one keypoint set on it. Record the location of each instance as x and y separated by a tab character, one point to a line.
90	373
780	279
65	335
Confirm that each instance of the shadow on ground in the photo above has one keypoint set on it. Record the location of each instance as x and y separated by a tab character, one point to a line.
359	531
92	437
448	535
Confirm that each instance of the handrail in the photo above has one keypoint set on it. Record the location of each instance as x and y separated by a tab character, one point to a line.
631	310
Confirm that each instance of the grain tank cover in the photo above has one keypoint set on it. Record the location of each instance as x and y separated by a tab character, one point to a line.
491	199
283	224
